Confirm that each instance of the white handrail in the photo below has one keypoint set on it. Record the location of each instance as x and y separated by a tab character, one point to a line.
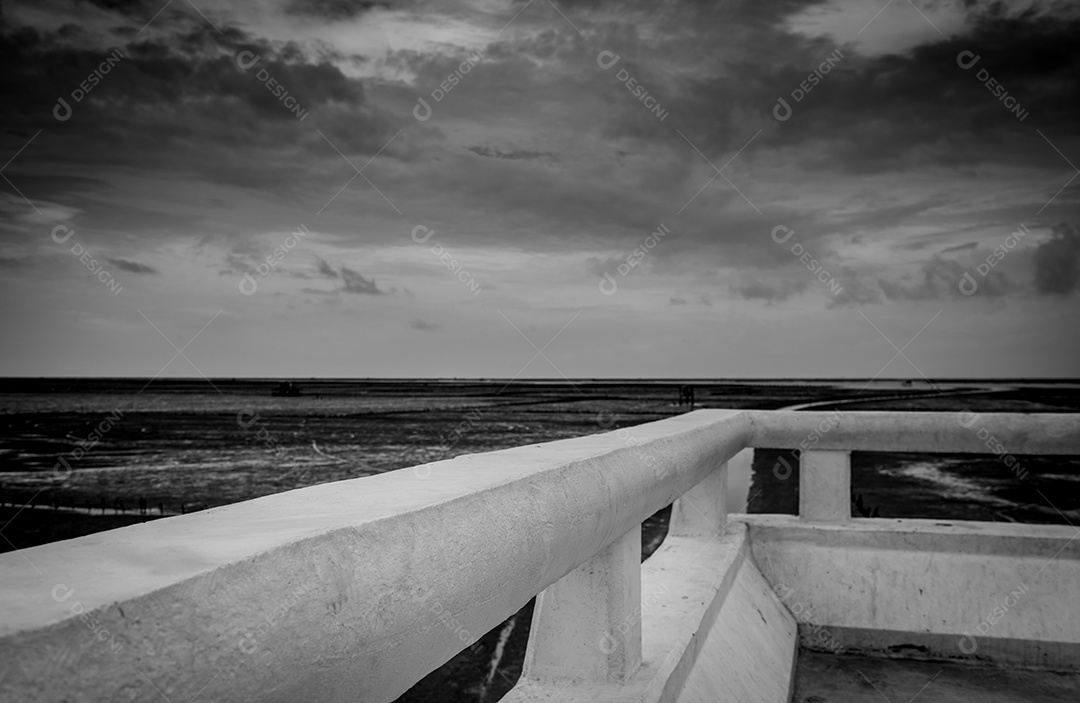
351	590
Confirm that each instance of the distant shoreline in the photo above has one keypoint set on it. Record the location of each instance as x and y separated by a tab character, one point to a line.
565	381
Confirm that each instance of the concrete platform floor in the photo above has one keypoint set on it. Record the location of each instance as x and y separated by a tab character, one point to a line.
839	678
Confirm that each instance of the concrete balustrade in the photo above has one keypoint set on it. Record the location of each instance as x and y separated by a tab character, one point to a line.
702	510
993	592
825	486
585	628
930	433
827	439
346	591
354	590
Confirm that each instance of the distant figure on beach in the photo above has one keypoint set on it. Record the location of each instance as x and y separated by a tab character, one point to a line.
686	395
103	505
288	389
142	505
161	508
118	506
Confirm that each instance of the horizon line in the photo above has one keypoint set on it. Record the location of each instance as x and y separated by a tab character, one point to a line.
564	380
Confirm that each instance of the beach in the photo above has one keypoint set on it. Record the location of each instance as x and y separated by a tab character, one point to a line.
96	447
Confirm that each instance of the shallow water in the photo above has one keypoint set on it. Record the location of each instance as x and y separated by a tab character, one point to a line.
178	442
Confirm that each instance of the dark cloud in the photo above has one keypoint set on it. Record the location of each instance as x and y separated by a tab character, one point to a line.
424	326
960	247
236	264
118	217
676	300
878	114
179	102
125	7
229	72
598	267
1057	262
770	291
333	9
356	283
855	290
326	270
182	102
939	278
132	266
498	154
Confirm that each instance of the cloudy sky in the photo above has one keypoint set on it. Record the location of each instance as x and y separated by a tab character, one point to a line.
493	188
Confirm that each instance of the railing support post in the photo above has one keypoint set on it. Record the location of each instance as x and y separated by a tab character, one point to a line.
825	486
586	626
703	509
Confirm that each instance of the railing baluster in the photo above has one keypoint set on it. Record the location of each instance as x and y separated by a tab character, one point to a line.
702	510
825	486
587	626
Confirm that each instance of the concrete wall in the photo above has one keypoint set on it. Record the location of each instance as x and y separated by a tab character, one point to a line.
928	588
748	655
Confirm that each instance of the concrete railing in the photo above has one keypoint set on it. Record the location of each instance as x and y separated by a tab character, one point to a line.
949	589
828	438
354	590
